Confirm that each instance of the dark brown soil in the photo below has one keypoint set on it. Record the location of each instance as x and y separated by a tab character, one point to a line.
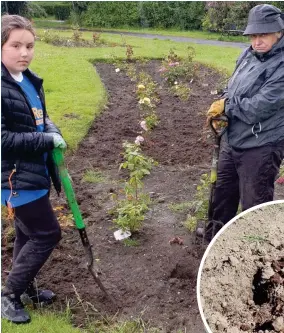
155	280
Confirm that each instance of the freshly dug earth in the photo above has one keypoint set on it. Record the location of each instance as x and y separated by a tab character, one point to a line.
156	280
242	280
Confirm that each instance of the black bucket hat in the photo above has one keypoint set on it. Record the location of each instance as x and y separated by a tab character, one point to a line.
264	19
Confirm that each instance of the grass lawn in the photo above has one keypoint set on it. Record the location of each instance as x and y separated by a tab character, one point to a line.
42	322
199	34
75	96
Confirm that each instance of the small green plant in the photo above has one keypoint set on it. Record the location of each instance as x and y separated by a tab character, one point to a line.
131	210
130	242
190	223
174	68
199	208
131	71
93	176
152	121
255	238
77	34
181	91
49	37
148	97
180	207
129	53
147	87
96	37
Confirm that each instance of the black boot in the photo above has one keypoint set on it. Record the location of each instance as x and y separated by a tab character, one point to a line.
39	297
12	309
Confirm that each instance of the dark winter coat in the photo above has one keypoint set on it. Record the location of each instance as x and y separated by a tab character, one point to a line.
23	147
255	104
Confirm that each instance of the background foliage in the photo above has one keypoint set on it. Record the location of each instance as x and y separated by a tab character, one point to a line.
183	15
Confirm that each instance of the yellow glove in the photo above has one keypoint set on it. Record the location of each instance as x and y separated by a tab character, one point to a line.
216	109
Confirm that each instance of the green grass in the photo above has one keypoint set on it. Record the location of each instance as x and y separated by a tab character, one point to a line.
180	207
255	238
129	326
94	176
198	34
42	322
130	242
49	24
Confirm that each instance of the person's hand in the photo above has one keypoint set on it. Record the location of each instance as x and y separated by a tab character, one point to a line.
216	109
58	141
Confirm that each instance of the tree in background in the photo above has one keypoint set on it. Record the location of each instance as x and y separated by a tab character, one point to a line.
222	15
14	8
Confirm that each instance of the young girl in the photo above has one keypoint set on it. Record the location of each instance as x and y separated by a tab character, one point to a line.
28	137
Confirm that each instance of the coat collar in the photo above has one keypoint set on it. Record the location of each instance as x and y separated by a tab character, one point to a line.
37	81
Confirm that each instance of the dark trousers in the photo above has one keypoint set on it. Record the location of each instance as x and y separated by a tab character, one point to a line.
37	234
245	176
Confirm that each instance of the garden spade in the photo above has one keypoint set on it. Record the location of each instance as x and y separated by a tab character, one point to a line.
80	225
219	126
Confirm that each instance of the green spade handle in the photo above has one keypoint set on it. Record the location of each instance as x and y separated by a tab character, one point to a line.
58	158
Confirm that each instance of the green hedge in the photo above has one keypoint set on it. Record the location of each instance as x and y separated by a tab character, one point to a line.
164	14
60	9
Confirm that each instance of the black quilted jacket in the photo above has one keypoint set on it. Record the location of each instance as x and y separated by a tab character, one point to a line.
22	146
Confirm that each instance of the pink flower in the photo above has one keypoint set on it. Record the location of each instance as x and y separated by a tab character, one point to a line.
280	180
171	64
162	69
139	139
143	124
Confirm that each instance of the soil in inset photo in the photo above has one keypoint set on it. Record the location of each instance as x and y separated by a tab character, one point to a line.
242	279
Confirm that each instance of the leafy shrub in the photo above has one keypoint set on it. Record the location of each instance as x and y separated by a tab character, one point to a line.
174	68
131	210
35	10
165	14
60	9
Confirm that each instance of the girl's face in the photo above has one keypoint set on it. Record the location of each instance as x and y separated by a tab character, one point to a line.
18	51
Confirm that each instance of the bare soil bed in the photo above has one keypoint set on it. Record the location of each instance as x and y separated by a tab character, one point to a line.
155	280
242	281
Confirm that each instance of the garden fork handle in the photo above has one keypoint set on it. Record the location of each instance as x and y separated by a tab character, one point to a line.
219	118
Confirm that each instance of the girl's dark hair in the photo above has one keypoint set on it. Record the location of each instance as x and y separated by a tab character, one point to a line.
11	22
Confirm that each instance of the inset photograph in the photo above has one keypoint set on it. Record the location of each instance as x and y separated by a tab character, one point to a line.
240	284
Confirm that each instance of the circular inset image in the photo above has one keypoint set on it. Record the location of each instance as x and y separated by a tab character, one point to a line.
240	286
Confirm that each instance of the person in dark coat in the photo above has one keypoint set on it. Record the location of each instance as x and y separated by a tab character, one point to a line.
253	146
28	137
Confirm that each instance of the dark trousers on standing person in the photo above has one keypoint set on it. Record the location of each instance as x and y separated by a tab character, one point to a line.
37	234
244	176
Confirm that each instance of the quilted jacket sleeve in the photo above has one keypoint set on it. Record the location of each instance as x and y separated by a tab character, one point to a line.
23	144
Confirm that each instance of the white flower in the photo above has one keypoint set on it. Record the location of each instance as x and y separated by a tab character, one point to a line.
175	82
139	139
143	124
117	70
145	100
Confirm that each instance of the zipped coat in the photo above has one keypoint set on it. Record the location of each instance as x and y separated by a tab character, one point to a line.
22	147
255	99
